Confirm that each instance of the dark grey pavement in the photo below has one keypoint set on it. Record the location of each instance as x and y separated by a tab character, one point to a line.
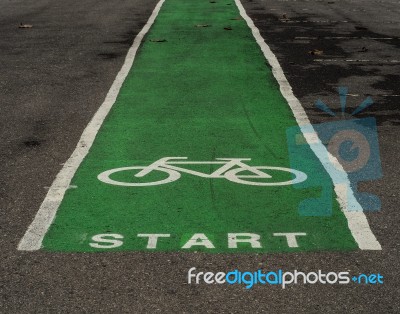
54	76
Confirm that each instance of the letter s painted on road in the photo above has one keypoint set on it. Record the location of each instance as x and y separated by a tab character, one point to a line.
106	241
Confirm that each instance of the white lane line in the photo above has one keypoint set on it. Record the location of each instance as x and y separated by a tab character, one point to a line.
357	221
32	240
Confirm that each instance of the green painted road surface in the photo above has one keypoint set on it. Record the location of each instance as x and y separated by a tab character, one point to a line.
199	88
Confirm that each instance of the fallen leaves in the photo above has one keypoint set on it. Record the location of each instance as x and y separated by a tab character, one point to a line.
25	25
228	28
360	28
158	40
316	52
203	25
284	18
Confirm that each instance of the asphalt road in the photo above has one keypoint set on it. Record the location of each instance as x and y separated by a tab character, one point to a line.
55	75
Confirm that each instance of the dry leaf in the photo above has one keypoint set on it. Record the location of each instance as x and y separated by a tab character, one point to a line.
228	28
25	25
236	18
203	25
284	18
360	28
158	40
316	52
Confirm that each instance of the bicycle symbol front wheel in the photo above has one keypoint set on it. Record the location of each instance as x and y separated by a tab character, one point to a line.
105	176
232	175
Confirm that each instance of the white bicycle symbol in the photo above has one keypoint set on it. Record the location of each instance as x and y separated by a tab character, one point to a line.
230	169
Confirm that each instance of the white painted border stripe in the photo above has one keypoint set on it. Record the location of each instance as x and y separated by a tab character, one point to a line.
32	240
357	221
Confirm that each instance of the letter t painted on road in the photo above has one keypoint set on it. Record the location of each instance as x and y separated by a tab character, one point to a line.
153	238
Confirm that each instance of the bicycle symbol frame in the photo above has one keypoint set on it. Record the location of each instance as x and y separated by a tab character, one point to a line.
230	169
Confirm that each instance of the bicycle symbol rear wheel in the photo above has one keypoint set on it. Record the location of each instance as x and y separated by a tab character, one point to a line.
105	176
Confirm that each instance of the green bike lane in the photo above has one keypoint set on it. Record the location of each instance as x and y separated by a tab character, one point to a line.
199	88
